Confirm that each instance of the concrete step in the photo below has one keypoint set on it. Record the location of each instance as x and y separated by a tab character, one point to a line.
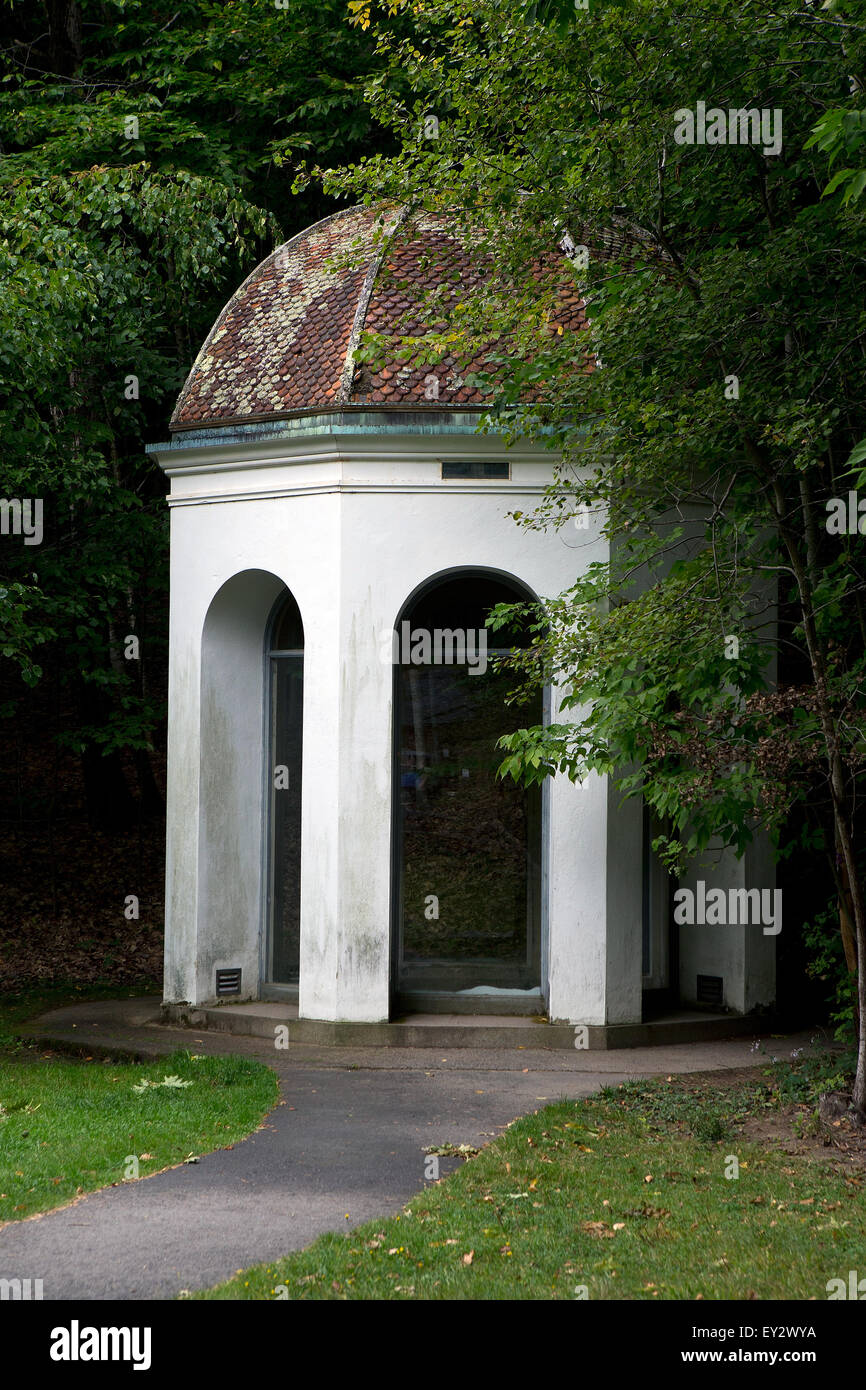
262	1019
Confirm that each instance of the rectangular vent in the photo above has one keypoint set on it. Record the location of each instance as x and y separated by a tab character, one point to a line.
228	982
710	989
455	468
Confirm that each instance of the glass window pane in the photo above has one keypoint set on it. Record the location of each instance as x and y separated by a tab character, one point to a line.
288	631
469	844
462	603
287	698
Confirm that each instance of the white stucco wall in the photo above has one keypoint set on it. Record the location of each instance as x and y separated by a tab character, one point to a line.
231	779
353	524
352	528
740	952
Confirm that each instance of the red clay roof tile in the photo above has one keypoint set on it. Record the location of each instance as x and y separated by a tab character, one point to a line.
283	344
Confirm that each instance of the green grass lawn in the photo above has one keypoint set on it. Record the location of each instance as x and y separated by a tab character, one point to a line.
69	1126
624	1196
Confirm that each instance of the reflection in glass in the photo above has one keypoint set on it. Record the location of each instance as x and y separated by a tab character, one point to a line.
286	718
469	844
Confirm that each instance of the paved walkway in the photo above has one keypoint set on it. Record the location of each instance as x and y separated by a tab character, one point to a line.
345	1146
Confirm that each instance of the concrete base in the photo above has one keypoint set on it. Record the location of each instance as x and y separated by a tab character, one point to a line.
459	1030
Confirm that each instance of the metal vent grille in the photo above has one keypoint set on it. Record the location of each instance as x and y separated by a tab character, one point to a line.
228	982
475	468
711	989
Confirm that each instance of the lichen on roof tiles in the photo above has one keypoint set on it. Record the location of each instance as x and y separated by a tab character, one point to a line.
284	343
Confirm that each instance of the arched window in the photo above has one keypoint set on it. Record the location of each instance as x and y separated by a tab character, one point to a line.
468	845
286	708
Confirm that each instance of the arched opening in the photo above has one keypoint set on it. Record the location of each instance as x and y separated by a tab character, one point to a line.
285	658
221	939
468	846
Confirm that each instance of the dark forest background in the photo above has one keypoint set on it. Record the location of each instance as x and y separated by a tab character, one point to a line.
152	154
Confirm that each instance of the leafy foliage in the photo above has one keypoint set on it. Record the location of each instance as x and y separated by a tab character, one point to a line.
723	285
149	153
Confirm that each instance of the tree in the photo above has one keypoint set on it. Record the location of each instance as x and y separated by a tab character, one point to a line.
724	297
143	152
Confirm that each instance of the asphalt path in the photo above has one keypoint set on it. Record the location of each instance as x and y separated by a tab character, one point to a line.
345	1144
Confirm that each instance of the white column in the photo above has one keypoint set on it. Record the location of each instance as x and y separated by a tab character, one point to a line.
577	896
346	819
321	811
182	779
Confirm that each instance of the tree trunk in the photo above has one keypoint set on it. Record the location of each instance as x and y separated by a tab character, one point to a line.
849	941
64	36
805	571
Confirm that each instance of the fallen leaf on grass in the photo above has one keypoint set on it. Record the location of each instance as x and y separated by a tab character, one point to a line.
597	1228
452	1150
467	1259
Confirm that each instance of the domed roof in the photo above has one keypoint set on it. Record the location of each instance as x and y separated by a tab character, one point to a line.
283	344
